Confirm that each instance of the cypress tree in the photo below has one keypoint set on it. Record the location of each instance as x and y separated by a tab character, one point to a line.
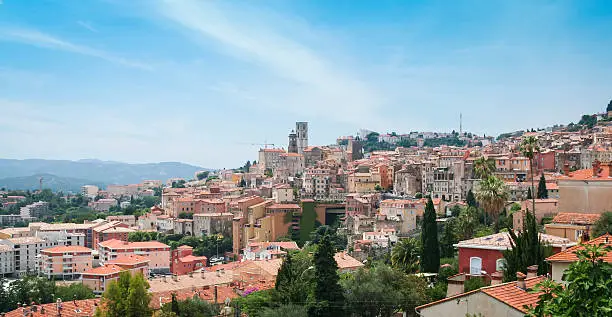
430	254
470	199
529	195
175	305
328	294
542	192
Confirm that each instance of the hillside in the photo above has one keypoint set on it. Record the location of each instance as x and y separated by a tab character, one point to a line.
53	182
95	171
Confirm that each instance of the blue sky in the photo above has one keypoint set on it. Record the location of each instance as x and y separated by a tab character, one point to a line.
198	81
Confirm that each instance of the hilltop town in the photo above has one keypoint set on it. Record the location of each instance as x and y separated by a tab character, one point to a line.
427	223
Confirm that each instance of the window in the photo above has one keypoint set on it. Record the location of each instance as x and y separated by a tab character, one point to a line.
500	264
475	266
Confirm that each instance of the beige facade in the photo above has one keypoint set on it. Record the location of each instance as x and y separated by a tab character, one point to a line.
363	182
66	262
585	196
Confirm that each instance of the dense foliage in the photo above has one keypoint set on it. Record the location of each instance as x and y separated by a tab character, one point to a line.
588	289
191	307
603	225
542	191
126	297
527	249
405	255
38	289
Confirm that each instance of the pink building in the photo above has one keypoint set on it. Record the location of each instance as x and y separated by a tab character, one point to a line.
183	261
65	262
99	278
156	252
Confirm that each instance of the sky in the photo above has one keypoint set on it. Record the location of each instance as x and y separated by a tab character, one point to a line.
205	82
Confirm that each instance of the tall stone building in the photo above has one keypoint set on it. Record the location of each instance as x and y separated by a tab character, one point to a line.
301	129
293	146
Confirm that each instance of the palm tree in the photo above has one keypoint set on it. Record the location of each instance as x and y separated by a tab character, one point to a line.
492	195
405	255
529	147
483	167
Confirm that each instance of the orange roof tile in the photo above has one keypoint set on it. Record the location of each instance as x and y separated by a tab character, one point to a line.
587	174
118	244
104	270
283	206
346	261
569	255
512	295
66	249
76	308
576	218
128	259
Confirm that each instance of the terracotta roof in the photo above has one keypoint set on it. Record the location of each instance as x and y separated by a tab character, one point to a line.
511	295
552	186
291	245
587	174
283	206
104	270
501	241
569	255
128	259
78	308
576	218
192	258
118	244
205	293
292	154
66	249
346	261
186	282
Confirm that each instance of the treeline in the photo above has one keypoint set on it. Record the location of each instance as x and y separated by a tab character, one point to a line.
40	290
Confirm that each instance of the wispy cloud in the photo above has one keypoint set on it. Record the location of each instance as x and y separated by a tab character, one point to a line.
88	26
36	38
301	78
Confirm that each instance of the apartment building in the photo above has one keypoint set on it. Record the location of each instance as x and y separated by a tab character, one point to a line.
114	230
183	261
64	262
129	220
401	214
212	223
7	260
586	190
34	211
26	250
157	252
104	204
240	211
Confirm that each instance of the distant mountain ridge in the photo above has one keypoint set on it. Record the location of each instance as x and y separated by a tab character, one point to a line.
53	182
91	170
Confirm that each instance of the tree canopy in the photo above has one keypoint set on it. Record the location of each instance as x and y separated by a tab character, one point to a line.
126	297
603	225
542	191
328	294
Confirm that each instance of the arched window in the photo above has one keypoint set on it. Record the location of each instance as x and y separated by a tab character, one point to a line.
475	265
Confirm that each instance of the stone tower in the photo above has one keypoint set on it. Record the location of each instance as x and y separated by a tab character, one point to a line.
301	128
293	146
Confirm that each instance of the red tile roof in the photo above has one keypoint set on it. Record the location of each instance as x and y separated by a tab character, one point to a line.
118	244
514	296
128	259
569	255
66	249
587	174
104	270
283	206
78	308
575	218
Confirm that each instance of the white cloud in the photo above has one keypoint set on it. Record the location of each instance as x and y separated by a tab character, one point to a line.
290	75
87	25
36	38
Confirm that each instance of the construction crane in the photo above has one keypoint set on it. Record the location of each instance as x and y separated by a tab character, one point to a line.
265	145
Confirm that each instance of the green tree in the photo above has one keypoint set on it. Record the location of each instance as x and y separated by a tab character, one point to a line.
529	147
174	305
529	194
191	307
466	223
430	254
405	255
379	291
609	108
268	172
202	175
255	303
470	199
74	291
474	283
526	249
484	167
542	191
603	225
242	183
588	290
291	283
247	166
492	194
185	215
285	310
448	239
328	295
127	296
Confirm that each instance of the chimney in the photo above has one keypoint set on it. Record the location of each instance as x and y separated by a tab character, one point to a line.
203	273
190	274
596	165
566	169
164	279
496	278
532	271
520	280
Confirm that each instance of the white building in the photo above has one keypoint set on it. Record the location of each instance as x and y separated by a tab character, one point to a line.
34	210
90	191
7	260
